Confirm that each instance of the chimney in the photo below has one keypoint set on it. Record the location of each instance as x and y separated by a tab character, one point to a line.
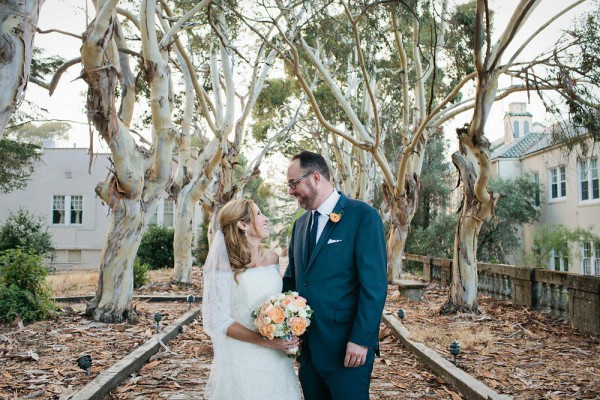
517	122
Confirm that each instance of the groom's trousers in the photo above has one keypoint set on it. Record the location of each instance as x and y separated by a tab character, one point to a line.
339	384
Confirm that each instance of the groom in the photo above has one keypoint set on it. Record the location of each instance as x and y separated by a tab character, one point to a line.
337	261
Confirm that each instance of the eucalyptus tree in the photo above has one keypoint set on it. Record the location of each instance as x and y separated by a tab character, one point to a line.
213	182
139	175
478	200
380	87
18	24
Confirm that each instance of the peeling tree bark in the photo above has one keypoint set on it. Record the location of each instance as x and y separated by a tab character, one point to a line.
463	288
478	201
187	199
364	135
18	24
139	176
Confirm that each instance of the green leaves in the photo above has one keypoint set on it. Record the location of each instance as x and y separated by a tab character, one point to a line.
558	238
498	239
23	288
17	162
27	231
156	248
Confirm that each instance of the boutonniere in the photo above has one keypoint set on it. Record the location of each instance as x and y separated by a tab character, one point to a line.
335	217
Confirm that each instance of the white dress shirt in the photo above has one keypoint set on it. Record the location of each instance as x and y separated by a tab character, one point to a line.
324	210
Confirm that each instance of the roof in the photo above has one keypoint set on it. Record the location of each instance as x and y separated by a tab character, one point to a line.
521	146
519	114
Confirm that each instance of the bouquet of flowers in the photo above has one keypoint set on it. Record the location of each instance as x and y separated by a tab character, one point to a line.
283	315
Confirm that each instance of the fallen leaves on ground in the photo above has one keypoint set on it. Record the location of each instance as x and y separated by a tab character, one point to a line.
523	353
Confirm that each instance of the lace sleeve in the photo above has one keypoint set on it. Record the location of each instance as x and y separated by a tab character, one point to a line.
217	290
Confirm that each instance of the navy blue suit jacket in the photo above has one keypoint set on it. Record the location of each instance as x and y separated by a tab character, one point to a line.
344	281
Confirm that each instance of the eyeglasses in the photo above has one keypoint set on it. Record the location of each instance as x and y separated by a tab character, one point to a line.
292	184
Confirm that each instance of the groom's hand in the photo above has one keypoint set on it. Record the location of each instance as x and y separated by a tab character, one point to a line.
356	355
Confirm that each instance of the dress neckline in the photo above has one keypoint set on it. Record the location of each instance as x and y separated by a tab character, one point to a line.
263	266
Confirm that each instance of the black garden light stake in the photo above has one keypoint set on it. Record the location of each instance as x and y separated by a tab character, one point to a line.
190	300
157	318
454	350
85	363
401	314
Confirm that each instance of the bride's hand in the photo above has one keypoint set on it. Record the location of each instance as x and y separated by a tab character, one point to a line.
282	344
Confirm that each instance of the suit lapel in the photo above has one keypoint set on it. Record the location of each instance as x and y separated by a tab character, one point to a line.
329	227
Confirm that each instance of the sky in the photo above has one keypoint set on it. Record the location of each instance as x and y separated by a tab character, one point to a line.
68	101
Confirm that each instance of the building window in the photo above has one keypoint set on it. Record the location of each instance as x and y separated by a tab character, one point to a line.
516	129
62	203
525	128
559	262
536	189
74	256
58	209
588	180
558	182
590	258
168	213
154	218
76	209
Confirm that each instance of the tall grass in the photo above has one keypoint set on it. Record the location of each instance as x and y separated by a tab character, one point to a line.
72	283
83	283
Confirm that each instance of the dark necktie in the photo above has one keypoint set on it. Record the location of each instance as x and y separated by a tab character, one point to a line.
312	237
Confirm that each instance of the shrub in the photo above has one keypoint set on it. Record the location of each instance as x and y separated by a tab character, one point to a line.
22	229
156	248
23	287
140	273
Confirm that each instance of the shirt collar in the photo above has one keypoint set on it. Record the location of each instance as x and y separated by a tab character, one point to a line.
328	205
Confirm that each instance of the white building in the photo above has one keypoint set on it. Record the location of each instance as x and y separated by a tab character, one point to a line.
569	192
62	191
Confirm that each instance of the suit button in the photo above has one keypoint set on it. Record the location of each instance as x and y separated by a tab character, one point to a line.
305	284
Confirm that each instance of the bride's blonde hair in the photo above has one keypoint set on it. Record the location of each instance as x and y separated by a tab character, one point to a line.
238	247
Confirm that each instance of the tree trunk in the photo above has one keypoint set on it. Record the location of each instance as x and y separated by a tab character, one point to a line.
112	302
395	250
182	241
463	289
187	198
139	176
402	209
18	24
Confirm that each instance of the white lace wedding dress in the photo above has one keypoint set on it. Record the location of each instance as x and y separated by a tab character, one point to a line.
245	371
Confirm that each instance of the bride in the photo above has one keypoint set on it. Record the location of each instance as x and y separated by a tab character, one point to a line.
239	275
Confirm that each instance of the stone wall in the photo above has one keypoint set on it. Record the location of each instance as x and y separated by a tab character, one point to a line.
576	296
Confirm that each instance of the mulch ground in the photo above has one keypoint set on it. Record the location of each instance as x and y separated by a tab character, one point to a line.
526	354
516	351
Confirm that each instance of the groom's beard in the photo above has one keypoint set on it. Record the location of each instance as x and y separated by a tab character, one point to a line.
308	202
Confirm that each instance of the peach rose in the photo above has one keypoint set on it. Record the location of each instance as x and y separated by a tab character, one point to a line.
265	308
297	325
286	302
277	315
267	331
300	302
